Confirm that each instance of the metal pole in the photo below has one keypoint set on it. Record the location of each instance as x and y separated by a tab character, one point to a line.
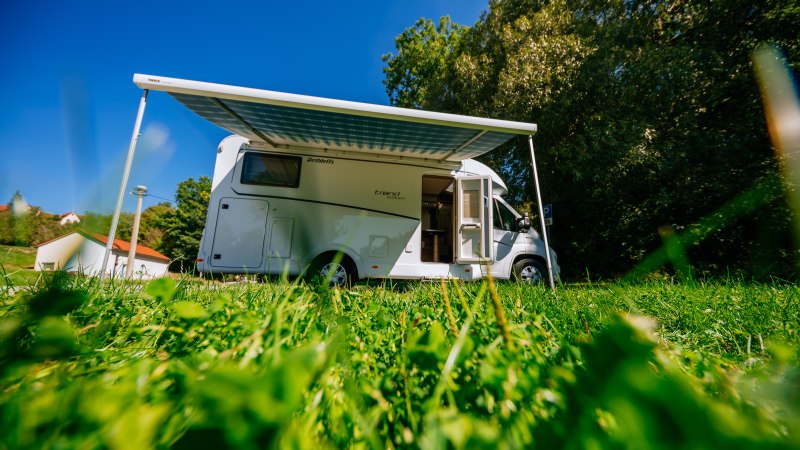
541	216
140	191
123	183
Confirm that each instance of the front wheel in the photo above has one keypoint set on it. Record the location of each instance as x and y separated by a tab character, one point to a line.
529	271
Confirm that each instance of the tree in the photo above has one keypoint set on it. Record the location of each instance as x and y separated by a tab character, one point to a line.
21	220
415	77
25	225
183	228
153	224
648	112
101	224
6	227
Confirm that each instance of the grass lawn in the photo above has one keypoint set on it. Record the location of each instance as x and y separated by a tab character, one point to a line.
16	266
90	364
17	257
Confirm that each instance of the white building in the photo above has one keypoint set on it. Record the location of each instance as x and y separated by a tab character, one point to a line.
83	252
69	219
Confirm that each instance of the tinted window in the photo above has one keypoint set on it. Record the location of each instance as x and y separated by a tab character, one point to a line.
271	170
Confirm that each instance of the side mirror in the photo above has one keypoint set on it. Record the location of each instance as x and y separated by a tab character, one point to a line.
524	223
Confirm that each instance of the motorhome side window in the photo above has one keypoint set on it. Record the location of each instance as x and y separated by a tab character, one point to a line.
271	170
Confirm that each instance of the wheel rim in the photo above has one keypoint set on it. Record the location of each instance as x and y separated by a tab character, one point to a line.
336	272
530	274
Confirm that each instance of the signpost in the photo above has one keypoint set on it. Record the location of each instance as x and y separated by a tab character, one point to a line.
548	214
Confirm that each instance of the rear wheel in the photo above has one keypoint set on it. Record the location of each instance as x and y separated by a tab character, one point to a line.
529	271
333	269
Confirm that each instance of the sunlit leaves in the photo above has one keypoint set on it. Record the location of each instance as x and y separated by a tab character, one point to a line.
183	227
162	289
416	75
189	310
242	409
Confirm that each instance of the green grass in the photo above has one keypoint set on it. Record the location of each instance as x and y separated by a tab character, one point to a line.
16	265
17	257
86	364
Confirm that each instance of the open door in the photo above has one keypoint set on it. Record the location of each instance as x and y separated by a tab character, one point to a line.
474	220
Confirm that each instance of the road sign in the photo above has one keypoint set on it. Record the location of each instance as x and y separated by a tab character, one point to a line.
548	214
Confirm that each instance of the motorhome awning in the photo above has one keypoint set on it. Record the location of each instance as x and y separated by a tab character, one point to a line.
281	119
285	120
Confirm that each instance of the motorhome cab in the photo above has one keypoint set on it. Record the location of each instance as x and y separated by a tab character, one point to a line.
350	190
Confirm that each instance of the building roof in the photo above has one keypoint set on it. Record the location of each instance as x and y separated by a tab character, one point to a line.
119	245
126	246
284	120
3	208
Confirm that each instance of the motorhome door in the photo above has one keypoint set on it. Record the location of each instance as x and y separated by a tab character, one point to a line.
240	232
474	220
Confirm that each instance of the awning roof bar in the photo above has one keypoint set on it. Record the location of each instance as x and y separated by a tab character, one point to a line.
244	123
465	144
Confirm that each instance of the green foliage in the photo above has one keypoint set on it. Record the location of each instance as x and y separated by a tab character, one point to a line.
30	228
86	364
183	227
152	227
27	225
649	116
6	227
97	223
415	76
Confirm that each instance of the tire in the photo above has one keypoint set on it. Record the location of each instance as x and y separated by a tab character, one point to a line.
529	271
326	268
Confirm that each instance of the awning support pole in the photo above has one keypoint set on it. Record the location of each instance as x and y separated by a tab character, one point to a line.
123	184
541	216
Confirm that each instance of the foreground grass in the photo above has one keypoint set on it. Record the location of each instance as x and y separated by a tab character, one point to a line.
86	364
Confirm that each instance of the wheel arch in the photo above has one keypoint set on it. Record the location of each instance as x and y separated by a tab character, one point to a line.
522	256
329	255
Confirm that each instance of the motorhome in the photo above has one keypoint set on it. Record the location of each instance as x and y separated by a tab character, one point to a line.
345	190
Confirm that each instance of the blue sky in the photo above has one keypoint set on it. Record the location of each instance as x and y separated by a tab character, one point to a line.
69	101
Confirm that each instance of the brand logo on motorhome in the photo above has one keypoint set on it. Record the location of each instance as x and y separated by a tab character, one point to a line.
391	195
320	160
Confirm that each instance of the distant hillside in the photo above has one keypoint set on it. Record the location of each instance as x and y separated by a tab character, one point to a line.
12	257
16	266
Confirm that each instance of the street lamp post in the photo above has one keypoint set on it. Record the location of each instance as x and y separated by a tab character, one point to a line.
140	192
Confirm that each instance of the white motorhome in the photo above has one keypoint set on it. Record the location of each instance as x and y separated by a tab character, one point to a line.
350	190
279	211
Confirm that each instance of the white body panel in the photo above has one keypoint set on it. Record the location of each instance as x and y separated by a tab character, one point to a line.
394	217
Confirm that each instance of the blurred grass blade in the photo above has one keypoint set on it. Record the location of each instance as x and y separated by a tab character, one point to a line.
744	204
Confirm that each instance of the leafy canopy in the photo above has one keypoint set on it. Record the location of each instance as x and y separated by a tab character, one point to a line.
183	227
649	117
